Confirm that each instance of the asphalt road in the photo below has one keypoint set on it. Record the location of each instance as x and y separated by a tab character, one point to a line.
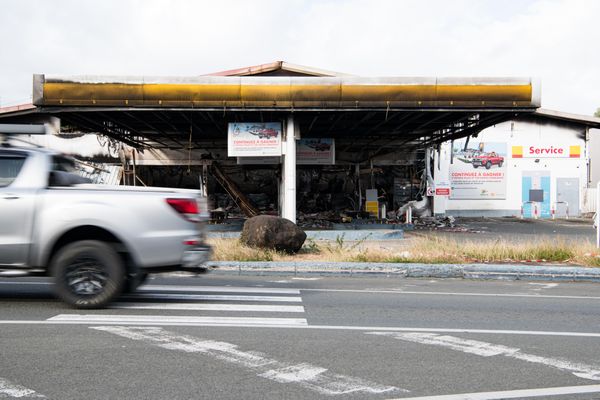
229	337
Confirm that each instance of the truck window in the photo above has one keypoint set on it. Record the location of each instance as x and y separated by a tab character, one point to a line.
64	173
10	166
63	164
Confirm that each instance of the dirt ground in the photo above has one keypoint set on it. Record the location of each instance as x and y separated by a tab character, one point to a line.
510	230
515	230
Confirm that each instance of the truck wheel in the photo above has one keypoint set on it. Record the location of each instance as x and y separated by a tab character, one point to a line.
500	164
488	165
87	274
475	166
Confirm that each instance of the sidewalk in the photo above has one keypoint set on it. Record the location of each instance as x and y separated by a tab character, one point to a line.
460	271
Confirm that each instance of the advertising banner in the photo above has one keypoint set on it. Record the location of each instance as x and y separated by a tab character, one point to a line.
315	151
254	139
478	172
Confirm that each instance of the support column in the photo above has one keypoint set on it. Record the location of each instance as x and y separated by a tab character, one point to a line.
289	172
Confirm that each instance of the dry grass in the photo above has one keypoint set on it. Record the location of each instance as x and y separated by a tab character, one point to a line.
233	250
431	250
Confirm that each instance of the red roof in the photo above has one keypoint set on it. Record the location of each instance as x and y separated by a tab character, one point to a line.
281	68
20	107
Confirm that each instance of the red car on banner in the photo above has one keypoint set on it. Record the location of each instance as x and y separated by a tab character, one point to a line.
320	146
263	133
487	160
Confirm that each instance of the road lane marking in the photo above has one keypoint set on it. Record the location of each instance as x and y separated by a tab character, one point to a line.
543	286
180	320
297	291
227	289
513	394
306	375
469	294
207	307
170	296
312	327
485	349
8	389
306	279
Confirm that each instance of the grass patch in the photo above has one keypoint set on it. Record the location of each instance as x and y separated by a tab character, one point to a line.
233	250
591	261
428	249
501	251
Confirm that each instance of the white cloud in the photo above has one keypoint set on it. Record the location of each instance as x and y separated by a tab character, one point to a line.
555	40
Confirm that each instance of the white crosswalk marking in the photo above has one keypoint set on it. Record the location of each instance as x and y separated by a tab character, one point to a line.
208	307
220	289
198	299
184	320
221	297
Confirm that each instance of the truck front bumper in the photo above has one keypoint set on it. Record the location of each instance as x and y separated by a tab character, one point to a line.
195	259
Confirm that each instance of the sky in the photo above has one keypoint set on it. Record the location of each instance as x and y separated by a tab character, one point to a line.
557	41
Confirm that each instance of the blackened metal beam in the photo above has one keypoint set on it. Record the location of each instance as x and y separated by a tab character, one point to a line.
93	126
154	128
128	127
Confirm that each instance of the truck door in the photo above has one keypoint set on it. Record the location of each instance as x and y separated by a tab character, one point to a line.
16	210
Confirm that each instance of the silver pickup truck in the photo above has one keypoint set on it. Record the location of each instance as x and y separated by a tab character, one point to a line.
96	241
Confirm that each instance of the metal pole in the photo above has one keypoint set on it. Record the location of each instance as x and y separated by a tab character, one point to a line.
522	211
133	160
289	172
357	172
598	215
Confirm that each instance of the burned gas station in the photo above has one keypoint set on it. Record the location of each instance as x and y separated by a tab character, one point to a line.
316	147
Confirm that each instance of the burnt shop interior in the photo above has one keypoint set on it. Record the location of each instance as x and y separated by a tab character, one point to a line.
345	191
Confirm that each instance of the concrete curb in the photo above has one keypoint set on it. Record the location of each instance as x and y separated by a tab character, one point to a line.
463	271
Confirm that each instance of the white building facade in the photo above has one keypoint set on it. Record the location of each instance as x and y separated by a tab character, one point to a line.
536	167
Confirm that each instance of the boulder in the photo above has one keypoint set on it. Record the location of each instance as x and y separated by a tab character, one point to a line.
269	232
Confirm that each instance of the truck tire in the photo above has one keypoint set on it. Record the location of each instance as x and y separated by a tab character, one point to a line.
488	165
87	274
500	164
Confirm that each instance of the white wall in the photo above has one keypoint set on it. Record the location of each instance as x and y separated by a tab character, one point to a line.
86	145
517	133
594	146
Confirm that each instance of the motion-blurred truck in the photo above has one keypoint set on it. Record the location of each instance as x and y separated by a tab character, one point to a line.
96	241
